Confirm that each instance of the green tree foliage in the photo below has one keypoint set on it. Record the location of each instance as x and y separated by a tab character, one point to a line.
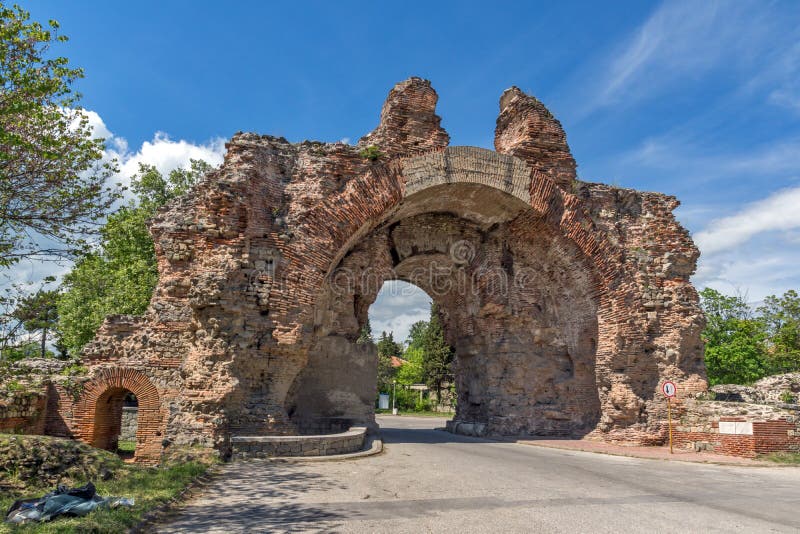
387	347
437	365
119	277
365	335
38	313
735	341
412	371
781	318
416	334
52	179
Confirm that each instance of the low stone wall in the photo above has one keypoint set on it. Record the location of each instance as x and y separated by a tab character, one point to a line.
738	437
319	445
737	428
465	428
320	426
23	413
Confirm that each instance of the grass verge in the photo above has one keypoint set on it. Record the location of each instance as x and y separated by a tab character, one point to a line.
417	414
787	458
151	487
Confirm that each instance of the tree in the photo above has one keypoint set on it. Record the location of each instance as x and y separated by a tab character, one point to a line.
119	277
740	357
24	312
365	335
38	313
387	347
781	318
438	362
52	178
416	334
735	341
411	372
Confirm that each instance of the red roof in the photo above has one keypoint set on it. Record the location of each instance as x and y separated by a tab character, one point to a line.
397	361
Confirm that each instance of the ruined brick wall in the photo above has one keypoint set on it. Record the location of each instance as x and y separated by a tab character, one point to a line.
567	302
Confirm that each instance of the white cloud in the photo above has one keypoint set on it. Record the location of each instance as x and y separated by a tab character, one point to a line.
753	251
162	152
778	212
166	154
398	306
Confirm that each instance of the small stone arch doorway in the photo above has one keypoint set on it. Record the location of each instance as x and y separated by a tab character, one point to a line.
99	412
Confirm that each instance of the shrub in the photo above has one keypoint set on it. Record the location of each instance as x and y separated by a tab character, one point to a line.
371	153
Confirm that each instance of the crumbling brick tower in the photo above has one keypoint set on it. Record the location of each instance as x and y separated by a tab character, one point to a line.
567	302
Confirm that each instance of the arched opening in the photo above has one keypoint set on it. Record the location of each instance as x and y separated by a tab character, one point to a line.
116	421
99	413
518	303
415	362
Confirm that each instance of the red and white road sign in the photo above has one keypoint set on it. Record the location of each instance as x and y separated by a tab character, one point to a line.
668	388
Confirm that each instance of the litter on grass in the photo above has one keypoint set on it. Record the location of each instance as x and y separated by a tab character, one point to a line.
62	501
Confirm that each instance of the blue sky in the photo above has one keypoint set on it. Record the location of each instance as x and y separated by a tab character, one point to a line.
696	99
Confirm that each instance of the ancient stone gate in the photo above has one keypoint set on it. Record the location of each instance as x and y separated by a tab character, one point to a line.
567	302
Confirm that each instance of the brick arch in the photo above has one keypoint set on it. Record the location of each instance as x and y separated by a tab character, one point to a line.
96	413
388	190
368	200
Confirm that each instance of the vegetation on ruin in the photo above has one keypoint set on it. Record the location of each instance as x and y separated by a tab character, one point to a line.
32	465
745	344
119	276
372	153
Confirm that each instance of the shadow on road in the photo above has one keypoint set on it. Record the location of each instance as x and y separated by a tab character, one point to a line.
403	430
260	493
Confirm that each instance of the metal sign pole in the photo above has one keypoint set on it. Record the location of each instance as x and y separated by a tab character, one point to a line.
669	419
669	390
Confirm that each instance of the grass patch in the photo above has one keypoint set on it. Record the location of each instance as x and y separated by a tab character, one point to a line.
788	458
150	487
417	414
126	446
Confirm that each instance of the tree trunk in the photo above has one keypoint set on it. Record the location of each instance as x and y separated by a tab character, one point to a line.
44	341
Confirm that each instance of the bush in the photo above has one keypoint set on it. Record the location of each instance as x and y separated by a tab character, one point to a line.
371	153
788	397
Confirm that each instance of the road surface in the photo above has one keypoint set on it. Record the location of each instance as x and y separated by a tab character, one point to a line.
428	480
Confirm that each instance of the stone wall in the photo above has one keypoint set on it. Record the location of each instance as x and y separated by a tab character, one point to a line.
128	430
351	441
567	302
23	412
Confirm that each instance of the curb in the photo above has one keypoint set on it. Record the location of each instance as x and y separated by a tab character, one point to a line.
373	446
714	461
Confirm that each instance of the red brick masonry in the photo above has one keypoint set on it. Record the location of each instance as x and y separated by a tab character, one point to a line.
767	436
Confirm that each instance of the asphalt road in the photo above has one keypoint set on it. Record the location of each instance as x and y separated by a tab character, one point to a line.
430	481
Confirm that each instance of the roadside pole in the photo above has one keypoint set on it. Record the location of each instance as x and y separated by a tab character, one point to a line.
394	396
669	419
669	390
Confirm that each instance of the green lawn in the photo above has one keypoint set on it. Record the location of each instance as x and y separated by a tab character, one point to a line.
126	446
447	415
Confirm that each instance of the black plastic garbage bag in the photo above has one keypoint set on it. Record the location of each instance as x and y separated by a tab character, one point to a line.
62	501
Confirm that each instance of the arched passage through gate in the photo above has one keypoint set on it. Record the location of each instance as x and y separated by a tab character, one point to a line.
518	302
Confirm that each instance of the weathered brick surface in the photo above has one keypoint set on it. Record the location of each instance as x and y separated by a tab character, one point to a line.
24	413
567	302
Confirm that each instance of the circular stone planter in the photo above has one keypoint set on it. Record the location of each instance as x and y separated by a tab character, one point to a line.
318	445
